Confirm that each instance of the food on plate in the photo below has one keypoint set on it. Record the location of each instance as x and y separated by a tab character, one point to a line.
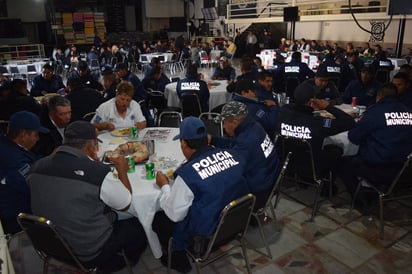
117	141
121	132
170	173
137	150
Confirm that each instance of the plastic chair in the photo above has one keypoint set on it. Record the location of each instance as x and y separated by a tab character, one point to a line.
4	71
50	244
170	119
302	168
213	123
399	189
190	104
233	224
262	211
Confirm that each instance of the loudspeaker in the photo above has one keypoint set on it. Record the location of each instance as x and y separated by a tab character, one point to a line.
399	7
290	14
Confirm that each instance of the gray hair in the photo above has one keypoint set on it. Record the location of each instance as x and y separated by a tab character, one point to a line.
57	101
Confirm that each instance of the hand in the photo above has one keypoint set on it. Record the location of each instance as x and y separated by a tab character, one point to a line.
140	125
209	139
109	126
269	103
120	163
161	179
318	104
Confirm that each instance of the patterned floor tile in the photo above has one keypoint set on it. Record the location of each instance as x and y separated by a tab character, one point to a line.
347	247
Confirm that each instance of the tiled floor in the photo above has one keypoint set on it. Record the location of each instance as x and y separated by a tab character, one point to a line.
335	242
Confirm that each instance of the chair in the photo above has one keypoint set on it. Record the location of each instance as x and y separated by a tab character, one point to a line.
262	211
94	65
4	71
213	123
31	73
382	76
175	79
88	116
233	223
204	58
49	244
190	104
15	73
302	168
170	119
290	85
399	189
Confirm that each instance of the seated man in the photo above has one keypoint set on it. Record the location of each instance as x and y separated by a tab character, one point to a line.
325	89
384	140
364	89
47	82
403	87
86	77
297	120
121	111
109	84
231	48
199	193
252	142
15	163
74	190
18	100
246	65
265	91
55	116
193	84
265	112
224	71
156	80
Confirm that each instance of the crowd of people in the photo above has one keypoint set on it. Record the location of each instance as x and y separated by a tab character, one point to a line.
49	164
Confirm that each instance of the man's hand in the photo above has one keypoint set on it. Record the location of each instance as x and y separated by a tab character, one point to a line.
120	164
161	179
108	126
269	103
318	104
140	125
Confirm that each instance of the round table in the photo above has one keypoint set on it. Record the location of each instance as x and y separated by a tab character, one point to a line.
145	196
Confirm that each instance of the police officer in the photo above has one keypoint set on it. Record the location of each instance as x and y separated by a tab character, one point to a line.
298	121
250	139
364	89
403	87
209	180
333	69
382	62
384	135
295	68
263	111
193	84
325	89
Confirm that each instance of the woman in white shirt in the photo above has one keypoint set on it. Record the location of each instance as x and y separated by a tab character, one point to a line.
120	111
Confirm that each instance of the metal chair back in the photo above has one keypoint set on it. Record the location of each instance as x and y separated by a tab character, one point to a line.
190	104
213	123
170	119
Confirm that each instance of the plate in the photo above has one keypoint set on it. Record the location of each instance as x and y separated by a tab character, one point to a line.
122	132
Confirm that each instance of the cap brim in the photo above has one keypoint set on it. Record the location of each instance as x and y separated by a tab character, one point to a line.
98	140
176	137
43	130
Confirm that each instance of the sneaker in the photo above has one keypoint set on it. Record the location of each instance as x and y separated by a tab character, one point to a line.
180	262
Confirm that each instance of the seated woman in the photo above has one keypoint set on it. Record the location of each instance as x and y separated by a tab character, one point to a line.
121	111
156	80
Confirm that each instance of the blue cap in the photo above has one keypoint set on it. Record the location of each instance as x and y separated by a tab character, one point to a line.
191	128
26	120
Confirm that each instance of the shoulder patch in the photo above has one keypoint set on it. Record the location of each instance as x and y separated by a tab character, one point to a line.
327	122
260	113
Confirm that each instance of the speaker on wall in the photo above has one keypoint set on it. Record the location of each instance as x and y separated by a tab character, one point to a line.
290	14
204	29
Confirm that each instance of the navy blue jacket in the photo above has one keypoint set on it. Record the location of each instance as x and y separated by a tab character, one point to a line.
384	132
264	115
15	163
87	79
40	84
139	92
152	84
296	69
83	100
263	94
333	69
365	95
213	187
254	144
195	85
406	98
330	91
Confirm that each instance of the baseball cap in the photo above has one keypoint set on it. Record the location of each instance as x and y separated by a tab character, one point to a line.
120	66
81	130
191	128
82	65
234	109
322	72
245	84
26	120
304	92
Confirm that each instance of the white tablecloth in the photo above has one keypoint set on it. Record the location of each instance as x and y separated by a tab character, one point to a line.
168	56
341	140
145	199
6	265
23	67
218	94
